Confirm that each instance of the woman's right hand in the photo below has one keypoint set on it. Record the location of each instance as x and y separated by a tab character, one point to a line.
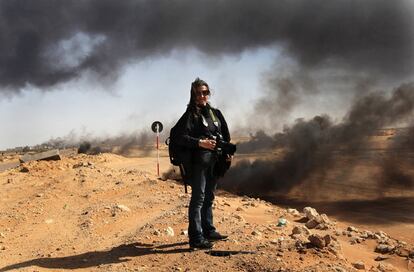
207	144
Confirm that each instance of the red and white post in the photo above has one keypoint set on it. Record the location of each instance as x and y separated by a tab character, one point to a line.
158	149
157	127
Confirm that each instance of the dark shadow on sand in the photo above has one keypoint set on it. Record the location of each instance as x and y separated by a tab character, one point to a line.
117	254
387	211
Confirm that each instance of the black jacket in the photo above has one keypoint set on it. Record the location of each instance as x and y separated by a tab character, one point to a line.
192	129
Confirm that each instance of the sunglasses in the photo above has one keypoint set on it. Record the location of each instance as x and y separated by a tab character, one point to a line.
203	93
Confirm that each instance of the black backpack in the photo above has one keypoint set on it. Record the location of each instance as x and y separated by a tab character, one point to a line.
180	155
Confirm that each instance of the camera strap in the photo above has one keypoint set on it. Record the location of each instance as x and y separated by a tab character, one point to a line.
214	118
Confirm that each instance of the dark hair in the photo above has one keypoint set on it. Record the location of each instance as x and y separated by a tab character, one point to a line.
192	105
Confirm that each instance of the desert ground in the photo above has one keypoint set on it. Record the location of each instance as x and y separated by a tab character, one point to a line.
108	212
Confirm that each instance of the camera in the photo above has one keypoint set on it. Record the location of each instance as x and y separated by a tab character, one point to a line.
223	146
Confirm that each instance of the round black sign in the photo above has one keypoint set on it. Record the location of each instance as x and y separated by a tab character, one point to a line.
154	126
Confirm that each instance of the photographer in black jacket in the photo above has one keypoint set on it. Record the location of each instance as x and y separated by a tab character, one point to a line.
200	128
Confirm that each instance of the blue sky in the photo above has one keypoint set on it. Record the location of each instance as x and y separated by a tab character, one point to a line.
153	89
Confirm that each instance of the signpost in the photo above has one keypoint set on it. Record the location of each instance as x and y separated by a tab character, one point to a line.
157	128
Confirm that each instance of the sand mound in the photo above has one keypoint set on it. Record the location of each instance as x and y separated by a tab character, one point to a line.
110	213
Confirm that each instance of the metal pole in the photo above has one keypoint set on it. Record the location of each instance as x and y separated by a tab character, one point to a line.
158	151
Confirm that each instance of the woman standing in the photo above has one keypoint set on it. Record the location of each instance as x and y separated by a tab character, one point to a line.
200	127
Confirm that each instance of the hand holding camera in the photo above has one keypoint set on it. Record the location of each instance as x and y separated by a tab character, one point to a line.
209	144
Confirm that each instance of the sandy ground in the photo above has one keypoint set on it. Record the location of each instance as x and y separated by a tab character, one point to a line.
111	213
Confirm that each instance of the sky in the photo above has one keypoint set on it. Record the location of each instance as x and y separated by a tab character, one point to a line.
147	91
106	68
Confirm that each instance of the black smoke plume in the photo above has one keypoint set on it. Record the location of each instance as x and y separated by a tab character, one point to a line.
395	164
310	145
47	42
126	144
258	142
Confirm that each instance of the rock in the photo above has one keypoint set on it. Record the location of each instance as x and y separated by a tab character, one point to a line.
2	235
310	213
184	232
2	248
311	224
287	244
261	246
77	165
169	231
376	237
383	248
403	252
321	226
317	240
240	209
356	240
296	230
381	258
382	234
370	234
256	233
325	220
156	232
335	248
386	267
39	195
353	241
339	269
352	228
274	242
300	240
46	155
24	169
328	239
402	243
123	208
293	212
239	217
301	230
319	254
359	265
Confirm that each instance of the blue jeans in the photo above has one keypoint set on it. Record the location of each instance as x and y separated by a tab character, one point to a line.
203	185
